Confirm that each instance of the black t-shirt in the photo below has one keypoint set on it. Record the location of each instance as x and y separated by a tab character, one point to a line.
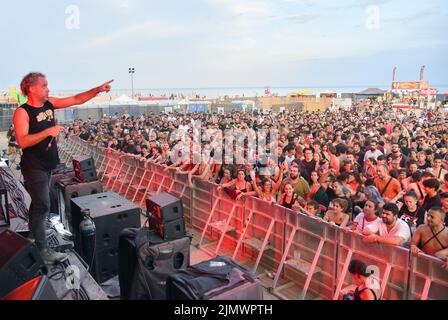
307	168
85	136
360	158
418	216
429	203
43	156
423	167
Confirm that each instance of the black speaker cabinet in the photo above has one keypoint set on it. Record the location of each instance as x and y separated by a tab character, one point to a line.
111	213
169	230
20	262
68	189
164	206
85	170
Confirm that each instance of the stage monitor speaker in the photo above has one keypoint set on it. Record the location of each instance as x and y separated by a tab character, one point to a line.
168	230
68	189
85	170
164	206
20	261
110	213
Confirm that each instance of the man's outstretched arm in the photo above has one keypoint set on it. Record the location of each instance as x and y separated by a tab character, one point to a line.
80	98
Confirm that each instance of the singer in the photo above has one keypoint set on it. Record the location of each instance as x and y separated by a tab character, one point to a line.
36	133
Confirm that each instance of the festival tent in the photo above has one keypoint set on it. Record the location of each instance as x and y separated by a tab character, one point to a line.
124	100
371	92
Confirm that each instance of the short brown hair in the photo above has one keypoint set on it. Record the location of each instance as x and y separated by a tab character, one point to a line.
30	80
342	203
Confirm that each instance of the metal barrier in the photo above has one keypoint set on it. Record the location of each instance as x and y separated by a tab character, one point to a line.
390	264
309	257
428	279
262	232
307	253
223	220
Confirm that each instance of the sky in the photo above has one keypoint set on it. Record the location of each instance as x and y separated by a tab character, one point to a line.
223	43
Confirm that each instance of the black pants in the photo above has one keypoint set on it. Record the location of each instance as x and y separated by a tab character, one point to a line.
37	183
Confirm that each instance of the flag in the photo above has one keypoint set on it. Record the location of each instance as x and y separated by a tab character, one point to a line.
422	72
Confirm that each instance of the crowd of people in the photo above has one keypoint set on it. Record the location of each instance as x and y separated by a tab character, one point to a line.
378	171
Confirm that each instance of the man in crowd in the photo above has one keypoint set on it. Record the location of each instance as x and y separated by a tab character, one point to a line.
390	230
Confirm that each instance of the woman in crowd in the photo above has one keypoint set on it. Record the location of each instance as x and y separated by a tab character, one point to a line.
367	216
337	213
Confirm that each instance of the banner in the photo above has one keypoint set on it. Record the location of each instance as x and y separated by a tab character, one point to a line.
429	92
413	85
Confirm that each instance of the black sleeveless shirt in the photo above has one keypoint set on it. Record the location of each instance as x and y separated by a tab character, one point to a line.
40	156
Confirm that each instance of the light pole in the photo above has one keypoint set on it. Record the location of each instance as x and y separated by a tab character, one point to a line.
131	72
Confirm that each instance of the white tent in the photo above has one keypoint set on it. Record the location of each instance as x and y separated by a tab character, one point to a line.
124	100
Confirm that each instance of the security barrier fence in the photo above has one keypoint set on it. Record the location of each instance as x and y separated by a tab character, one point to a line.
307	255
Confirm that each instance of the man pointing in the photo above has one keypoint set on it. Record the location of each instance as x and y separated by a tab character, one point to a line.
36	132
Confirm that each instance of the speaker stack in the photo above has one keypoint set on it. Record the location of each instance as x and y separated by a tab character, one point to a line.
110	213
68	188
85	170
22	270
166	216
149	256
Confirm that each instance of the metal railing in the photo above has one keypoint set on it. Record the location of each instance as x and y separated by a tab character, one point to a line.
306	253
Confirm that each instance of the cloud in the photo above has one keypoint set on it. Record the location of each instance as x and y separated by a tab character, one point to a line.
145	31
120	4
247	9
410	18
309	3
302	18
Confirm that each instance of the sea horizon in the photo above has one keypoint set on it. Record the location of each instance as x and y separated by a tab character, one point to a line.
216	92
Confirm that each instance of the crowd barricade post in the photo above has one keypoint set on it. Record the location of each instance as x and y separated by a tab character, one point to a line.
179	187
73	150
221	221
136	183
428	278
309	257
102	168
262	232
136	166
202	202
117	174
163	179
96	155
78	149
123	175
102	154
63	146
389	264
144	185
159	181
111	168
